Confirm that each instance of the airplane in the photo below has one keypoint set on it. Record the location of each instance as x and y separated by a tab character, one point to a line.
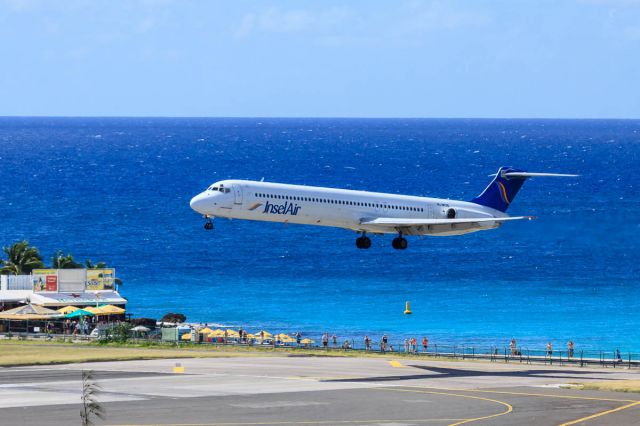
362	211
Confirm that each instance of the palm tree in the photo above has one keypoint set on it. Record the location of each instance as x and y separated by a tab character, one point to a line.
90	265
62	261
21	259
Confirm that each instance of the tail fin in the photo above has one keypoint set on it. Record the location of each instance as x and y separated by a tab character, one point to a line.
504	187
501	191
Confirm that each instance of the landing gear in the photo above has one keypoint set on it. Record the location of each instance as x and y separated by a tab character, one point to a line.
363	242
208	225
399	243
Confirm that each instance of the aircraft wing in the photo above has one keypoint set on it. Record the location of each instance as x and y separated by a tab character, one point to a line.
402	222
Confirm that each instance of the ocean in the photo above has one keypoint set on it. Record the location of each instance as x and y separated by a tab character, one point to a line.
118	190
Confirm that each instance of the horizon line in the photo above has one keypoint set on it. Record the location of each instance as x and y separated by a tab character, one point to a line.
320	117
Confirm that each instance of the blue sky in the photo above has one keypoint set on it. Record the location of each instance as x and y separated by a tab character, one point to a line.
472	58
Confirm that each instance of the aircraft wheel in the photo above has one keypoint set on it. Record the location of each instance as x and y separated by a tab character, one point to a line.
399	243
208	226
363	242
366	242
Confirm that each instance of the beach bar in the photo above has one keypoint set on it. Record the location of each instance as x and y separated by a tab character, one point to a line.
59	288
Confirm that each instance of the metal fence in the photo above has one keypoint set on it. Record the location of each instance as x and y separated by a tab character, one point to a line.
523	355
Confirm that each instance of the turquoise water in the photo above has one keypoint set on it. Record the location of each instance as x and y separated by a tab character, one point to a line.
118	190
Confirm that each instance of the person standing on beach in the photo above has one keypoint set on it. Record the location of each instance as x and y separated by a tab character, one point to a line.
425	344
383	343
549	349
406	345
298	338
513	346
570	349
240	334
334	339
325	340
367	343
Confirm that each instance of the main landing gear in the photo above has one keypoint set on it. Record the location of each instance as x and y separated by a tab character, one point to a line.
363	242
399	243
208	225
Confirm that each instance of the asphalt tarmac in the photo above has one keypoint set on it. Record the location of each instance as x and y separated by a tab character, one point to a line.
317	391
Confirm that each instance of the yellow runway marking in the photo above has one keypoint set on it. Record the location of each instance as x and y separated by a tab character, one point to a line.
396	364
509	408
543	395
632	402
602	413
310	422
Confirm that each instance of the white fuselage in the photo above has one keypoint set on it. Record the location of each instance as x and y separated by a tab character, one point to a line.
341	208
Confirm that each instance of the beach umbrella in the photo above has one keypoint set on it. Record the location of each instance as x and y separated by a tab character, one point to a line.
68	309
265	333
111	310
79	313
30	312
251	336
186	336
216	333
94	310
233	334
307	341
285	338
206	330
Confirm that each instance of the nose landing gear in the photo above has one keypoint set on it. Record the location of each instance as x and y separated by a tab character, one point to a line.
363	242
208	225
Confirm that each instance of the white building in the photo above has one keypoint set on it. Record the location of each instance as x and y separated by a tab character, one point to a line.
55	288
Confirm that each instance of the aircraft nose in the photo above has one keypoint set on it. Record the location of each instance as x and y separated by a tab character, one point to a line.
199	202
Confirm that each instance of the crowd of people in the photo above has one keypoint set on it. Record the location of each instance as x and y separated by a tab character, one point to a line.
410	345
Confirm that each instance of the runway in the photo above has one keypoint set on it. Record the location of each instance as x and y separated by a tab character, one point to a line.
317	391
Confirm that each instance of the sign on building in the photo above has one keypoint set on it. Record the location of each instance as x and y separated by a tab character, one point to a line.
100	279
45	280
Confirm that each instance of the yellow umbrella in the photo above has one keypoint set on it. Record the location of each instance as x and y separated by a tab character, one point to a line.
110	309
285	338
29	312
232	333
251	336
94	310
186	336
265	333
68	309
206	330
307	341
216	333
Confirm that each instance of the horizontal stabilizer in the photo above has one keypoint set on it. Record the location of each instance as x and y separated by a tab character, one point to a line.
393	221
527	174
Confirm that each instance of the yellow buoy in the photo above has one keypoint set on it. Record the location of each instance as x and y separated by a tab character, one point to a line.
407	310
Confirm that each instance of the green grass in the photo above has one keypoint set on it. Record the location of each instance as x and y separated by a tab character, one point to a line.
613	385
32	352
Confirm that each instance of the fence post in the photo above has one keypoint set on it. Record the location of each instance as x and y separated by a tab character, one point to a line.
581	359
629	360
